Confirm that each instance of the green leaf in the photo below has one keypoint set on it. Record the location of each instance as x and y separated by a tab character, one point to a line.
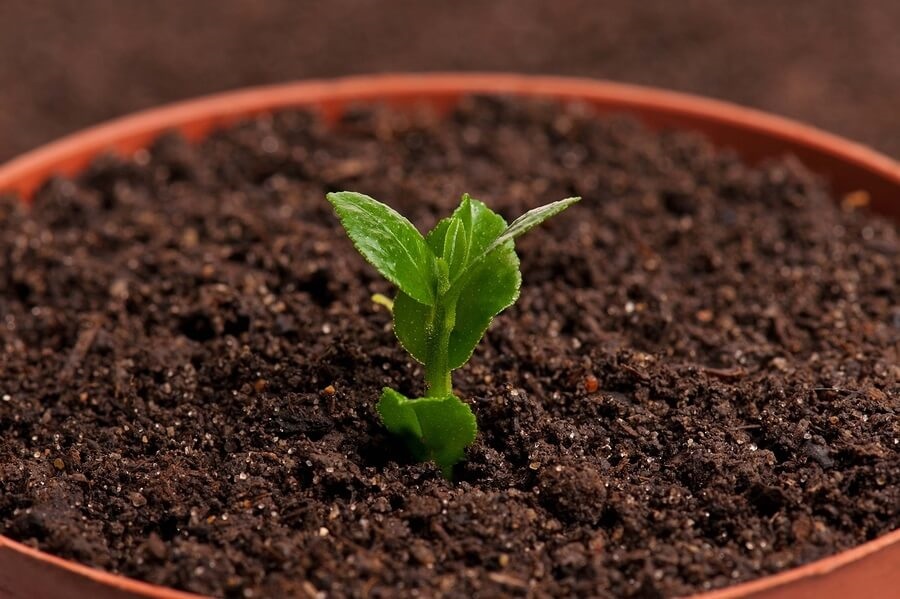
530	220
456	248
413	322
389	242
481	225
400	418
487	289
482	292
435	428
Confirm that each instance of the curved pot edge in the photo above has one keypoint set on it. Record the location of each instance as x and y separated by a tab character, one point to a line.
720	120
875	560
81	580
760	134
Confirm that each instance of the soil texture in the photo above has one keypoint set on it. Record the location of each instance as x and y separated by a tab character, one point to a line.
700	384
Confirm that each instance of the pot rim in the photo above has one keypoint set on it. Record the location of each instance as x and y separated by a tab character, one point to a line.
854	166
137	588
195	117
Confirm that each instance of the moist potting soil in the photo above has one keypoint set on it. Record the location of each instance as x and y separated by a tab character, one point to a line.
698	386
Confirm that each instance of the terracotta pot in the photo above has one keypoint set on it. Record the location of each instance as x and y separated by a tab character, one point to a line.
872	569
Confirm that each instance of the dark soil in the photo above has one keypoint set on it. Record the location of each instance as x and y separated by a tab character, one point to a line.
700	384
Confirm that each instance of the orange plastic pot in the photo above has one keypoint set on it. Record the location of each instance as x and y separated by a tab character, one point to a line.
871	570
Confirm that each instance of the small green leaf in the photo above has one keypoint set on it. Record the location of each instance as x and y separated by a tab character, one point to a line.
448	427
456	248
400	418
481	225
435	428
413	322
484	290
389	242
487	289
530	220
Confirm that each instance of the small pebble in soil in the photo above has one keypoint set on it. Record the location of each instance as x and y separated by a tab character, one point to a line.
705	316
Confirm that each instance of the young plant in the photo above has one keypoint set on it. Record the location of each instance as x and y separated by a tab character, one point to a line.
452	283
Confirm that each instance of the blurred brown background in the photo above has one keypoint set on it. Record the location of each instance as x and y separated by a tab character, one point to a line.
66	64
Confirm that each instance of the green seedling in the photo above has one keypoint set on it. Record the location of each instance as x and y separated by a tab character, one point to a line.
452	282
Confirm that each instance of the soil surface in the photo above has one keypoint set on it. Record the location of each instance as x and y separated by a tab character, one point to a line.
700	383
